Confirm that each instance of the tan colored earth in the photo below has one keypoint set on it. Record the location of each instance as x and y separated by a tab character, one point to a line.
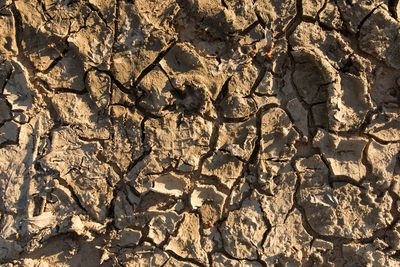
199	133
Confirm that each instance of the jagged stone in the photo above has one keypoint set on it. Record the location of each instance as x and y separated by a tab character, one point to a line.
343	154
243	230
186	243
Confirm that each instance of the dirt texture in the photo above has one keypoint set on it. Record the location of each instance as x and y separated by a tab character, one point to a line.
199	133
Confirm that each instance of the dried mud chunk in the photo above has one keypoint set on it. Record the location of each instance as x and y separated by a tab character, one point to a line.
106	8
5	111
186	243
98	85
157	91
230	17
170	184
385	126
282	189
268	85
312	171
9	132
126	142
187	67
330	16
243	230
238	138
128	237
277	136
276	14
76	162
345	211
226	167
76	110
299	115
354	12
378	37
18	90
177	137
9	249
312	76
161	225
367	254
220	260
143	32
67	74
348	103
286	243
210	203
311	8
331	44
144	255
94	41
383	159
320	115
343	154
8	45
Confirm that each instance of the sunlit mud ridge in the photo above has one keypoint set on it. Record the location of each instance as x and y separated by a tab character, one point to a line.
199	133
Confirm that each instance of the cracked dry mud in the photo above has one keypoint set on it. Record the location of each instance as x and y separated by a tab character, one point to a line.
199	133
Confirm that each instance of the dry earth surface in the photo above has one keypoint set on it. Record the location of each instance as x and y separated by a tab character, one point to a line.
199	133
